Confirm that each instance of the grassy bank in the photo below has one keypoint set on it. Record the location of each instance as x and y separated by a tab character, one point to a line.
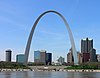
12	65
89	65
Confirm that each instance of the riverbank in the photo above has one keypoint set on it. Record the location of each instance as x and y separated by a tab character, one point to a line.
71	70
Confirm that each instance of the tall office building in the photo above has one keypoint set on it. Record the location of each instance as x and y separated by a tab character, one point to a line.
48	58
86	57
79	55
86	45
20	58
37	57
93	56
61	60
8	55
87	50
98	57
70	58
43	57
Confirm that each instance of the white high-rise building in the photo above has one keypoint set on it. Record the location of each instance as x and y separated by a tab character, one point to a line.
98	57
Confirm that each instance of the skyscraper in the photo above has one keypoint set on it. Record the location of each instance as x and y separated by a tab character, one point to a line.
20	58
37	57
86	45
79	55
87	50
98	57
8	55
48	58
70	58
93	56
43	57
86	57
61	60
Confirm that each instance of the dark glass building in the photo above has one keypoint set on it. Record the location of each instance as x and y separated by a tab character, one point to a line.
20	58
48	58
36	56
86	45
93	56
87	50
8	55
41	57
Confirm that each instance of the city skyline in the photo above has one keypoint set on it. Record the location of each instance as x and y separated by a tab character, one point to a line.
16	19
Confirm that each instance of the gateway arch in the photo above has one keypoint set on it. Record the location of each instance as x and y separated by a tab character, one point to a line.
33	29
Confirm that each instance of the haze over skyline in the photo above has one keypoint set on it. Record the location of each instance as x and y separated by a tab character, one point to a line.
17	18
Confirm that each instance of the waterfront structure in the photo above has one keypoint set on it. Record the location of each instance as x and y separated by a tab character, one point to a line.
8	55
36	57
40	57
20	58
61	60
48	58
70	58
43	57
79	55
98	57
32	32
86	57
87	50
86	45
93	57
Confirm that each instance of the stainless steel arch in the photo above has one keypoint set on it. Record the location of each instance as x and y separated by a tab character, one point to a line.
32	32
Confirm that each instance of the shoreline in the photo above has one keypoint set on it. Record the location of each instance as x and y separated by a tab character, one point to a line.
69	70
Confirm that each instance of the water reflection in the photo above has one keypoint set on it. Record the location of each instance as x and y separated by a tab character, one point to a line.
87	75
49	74
25	75
42	74
20	74
82	75
7	74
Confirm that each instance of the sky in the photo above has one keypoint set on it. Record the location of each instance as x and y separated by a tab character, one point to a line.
18	16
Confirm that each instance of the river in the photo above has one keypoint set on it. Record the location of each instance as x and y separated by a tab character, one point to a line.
49	74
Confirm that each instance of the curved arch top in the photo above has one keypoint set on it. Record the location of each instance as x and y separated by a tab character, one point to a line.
33	29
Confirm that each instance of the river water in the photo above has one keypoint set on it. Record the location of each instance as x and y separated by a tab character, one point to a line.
49	74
